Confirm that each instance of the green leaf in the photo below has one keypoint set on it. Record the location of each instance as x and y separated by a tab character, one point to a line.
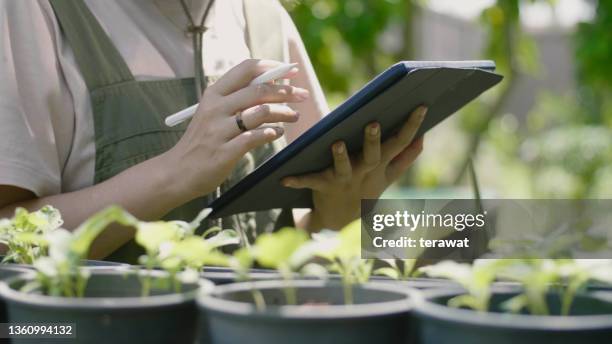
274	250
224	238
388	271
151	235
515	304
87	232
465	301
314	270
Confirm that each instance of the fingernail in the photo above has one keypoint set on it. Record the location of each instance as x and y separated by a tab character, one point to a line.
288	182
339	148
422	111
374	129
296	115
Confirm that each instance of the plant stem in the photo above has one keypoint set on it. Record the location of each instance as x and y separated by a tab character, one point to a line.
348	292
569	294
290	293
146	281
258	299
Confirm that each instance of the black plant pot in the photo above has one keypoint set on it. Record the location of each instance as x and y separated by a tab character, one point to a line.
112	310
380	314
590	322
222	275
9	271
90	263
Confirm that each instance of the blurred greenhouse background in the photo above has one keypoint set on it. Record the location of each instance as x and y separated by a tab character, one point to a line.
545	132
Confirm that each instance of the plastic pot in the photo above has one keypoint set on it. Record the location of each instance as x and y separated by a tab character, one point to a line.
590	321
222	275
8	271
90	263
380	314
112	310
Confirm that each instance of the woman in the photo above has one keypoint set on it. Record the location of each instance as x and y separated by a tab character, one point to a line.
86	85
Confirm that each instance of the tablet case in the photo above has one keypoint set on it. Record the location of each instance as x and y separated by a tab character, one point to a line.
389	99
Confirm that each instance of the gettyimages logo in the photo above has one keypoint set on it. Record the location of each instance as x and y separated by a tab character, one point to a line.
470	229
404	219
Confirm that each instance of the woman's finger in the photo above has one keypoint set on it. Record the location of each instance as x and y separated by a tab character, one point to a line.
342	163
268	113
371	148
241	75
249	140
404	159
314	181
263	94
396	144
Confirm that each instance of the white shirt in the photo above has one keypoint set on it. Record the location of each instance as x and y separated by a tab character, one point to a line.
46	122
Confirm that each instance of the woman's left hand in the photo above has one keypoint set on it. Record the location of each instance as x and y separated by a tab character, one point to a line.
338	190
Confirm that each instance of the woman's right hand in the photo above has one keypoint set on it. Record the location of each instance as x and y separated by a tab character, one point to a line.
213	143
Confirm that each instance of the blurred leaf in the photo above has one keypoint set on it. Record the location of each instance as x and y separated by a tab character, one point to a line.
272	250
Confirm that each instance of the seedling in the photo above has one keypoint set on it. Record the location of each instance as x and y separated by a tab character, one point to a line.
397	269
476	279
537	277
567	277
343	252
59	272
279	250
174	247
19	233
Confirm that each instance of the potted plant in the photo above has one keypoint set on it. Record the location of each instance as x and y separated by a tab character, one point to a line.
16	234
551	304
349	310
115	306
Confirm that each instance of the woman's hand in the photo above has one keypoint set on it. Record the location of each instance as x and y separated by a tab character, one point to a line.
338	190
213	143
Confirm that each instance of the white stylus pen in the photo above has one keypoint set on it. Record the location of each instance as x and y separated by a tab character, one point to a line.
268	76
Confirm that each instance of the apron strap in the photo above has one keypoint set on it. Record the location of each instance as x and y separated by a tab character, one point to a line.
98	59
266	36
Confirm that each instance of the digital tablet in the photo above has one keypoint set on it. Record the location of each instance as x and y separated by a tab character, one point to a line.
444	87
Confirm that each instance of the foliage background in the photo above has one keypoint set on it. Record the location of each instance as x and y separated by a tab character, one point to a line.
563	148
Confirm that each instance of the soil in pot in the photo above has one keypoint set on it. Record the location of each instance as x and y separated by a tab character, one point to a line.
112	310
380	314
590	321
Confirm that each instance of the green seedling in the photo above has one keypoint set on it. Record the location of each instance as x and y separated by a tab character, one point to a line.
476	279
174	247
20	233
343	254
538	277
397	269
281	251
59	272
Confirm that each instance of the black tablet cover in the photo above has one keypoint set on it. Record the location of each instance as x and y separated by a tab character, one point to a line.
389	99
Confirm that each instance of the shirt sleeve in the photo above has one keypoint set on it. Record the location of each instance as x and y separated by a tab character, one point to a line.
31	91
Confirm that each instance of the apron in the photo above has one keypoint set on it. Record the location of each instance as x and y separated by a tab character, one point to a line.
129	114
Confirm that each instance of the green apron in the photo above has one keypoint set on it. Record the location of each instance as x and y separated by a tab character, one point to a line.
129	115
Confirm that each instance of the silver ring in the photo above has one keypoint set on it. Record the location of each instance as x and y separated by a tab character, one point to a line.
240	123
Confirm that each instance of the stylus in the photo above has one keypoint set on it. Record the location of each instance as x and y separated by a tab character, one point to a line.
271	75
